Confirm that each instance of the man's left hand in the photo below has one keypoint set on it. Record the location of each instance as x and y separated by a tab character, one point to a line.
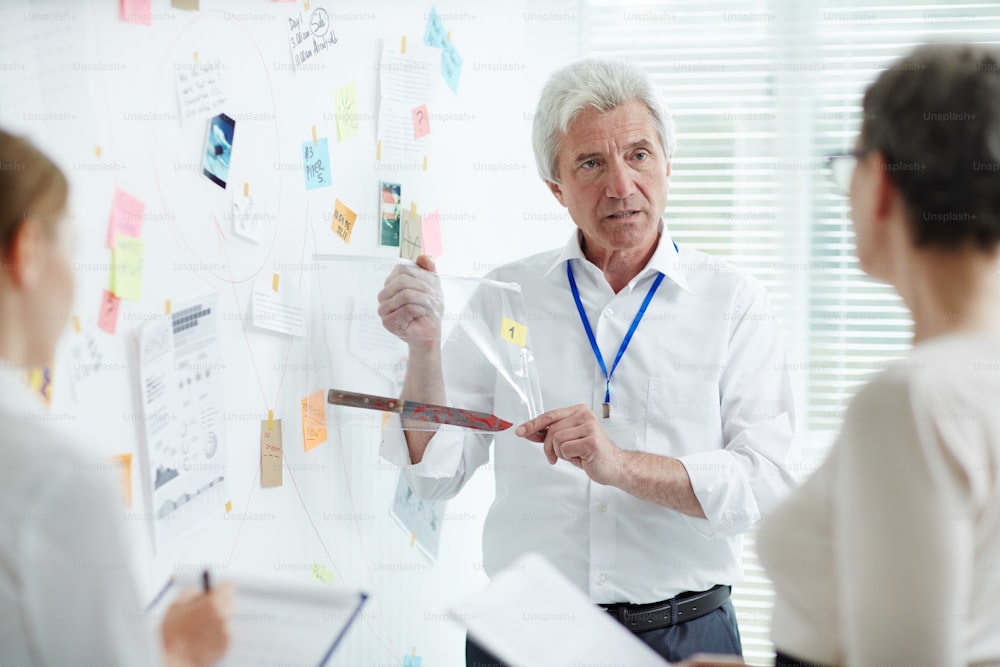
576	435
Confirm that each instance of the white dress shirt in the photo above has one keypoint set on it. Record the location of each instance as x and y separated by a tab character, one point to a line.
703	380
67	588
889	554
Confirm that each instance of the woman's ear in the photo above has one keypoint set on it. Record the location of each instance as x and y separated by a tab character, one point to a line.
24	262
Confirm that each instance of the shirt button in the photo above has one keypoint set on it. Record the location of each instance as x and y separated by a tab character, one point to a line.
608	312
600	579
602	508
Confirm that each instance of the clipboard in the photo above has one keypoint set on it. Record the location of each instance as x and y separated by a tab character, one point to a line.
277	621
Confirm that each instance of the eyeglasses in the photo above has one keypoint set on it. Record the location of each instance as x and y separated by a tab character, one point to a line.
842	168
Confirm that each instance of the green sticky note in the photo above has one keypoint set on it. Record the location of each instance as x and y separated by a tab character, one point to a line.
126	268
321	575
345	100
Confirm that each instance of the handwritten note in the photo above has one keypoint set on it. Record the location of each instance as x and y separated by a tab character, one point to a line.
123	466
135	11
512	331
199	90
278	310
126	216
321	575
310	36
451	66
270	454
410	236
345	101
435	34
126	268
343	221
432	234
107	319
316	160
314	419
421	122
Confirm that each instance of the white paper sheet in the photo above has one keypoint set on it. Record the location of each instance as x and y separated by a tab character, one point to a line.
181	386
199	90
407	81
280	622
532	616
280	311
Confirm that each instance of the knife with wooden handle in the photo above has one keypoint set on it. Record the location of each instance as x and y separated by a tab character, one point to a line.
425	412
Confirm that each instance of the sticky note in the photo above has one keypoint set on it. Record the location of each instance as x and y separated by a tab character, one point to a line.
316	160
135	11
343	221
451	66
321	575
76	324
123	466
126	216
107	319
126	268
274	282
410	236
314	420
270	454
412	660
166	307
97	152
402	45
345	101
431	233
421	122
435	34
514	332
229	506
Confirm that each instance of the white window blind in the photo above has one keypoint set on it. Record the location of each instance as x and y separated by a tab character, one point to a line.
762	92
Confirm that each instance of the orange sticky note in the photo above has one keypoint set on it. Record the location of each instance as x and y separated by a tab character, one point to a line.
314	420
343	221
270	454
123	465
107	319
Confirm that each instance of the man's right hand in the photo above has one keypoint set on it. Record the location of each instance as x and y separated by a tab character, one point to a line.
196	628
411	303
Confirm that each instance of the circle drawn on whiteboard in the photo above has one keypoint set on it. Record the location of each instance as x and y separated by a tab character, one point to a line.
212	446
319	22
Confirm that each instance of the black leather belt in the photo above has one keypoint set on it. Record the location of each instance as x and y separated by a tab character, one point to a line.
656	615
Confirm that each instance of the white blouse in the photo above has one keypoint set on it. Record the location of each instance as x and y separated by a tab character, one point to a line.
67	588
890	553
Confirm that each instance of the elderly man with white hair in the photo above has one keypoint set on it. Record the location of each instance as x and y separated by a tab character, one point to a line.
673	407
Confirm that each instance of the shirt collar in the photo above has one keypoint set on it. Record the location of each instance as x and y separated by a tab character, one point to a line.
665	259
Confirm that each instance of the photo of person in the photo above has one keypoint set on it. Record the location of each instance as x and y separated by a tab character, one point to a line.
218	149
391	207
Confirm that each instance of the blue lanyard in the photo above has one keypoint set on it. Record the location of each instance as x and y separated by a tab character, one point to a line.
593	340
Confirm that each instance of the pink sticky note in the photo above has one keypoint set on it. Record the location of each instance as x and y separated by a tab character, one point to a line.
108	317
421	122
432	234
126	216
135	11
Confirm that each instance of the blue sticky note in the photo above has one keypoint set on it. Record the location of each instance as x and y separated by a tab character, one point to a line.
412	660
435	34
451	66
316	164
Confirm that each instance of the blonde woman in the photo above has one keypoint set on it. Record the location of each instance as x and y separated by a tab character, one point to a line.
67	592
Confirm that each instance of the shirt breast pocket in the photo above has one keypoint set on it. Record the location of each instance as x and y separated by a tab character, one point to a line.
683	416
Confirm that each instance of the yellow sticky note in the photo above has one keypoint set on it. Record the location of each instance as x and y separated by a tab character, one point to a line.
343	221
166	307
126	268
321	575
97	151
314	420
76	324
123	466
229	506
274	282
246	189
402	45
345	101
514	332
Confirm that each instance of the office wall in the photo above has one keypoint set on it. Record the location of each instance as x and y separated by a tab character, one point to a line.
98	94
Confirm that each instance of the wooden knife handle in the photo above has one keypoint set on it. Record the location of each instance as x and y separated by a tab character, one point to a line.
355	400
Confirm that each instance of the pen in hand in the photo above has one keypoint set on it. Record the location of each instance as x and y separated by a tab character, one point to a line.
206	584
